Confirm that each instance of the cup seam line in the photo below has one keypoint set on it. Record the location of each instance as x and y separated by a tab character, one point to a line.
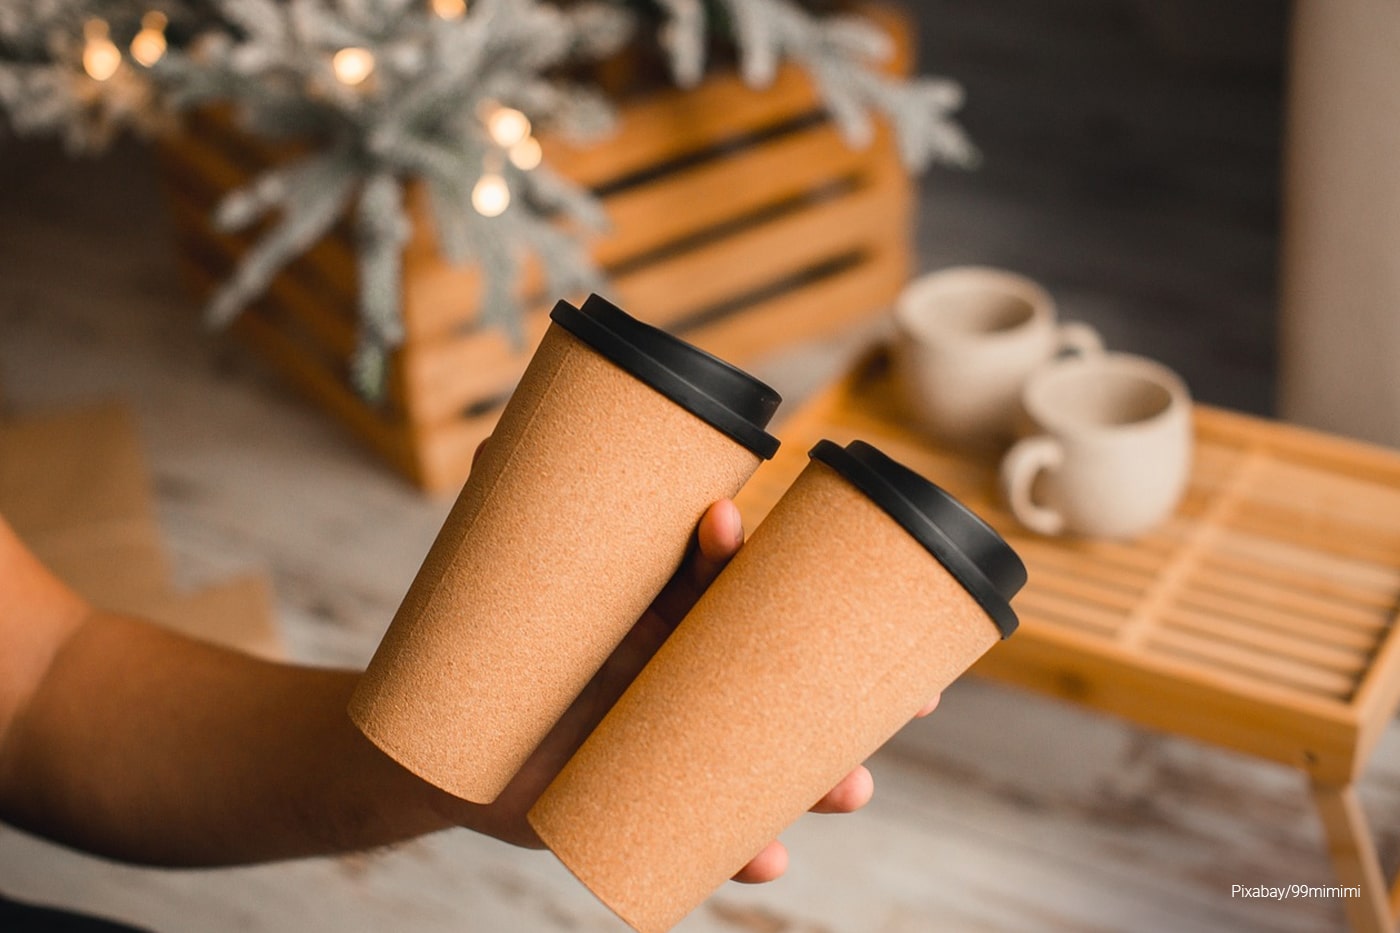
486	495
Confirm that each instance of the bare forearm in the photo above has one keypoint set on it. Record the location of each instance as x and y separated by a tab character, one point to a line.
146	746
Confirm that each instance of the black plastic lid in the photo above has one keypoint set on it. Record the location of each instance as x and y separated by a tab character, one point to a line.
726	397
972	551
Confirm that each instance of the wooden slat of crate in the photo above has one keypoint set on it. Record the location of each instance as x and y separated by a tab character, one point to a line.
288	355
438	456
653	215
199	170
274	329
646	217
1258	638
662	128
446	448
676	122
323	316
766	227
484	365
815	311
445	376
481	366
214	158
440	298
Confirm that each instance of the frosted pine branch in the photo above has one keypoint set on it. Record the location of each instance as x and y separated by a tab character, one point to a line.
416	116
843	54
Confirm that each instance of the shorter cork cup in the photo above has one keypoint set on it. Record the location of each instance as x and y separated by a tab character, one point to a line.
581	507
863	594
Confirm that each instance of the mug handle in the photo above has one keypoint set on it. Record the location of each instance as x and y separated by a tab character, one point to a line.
1018	472
1079	339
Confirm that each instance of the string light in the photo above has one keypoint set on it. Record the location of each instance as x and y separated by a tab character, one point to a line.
353	65
507	126
101	57
526	154
491	194
148	45
449	9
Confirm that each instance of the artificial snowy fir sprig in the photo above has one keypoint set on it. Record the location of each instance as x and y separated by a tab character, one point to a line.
63	74
443	93
394	97
843	53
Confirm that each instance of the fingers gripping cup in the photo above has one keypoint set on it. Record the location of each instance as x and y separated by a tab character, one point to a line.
864	593
585	498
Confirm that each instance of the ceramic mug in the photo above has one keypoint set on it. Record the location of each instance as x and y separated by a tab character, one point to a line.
966	340
1113	452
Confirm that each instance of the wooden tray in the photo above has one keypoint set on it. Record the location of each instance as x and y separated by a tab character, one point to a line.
1259	616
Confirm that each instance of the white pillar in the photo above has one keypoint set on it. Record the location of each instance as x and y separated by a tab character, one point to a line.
1339	335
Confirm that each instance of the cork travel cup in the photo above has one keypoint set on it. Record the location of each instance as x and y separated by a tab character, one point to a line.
579	510
863	594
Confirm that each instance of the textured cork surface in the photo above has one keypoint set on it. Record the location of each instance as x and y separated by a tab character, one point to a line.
823	637
579	510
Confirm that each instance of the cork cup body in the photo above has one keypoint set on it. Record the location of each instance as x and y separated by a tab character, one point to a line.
577	513
824	636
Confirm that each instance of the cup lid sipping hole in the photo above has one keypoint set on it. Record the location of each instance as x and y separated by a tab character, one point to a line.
977	557
721	394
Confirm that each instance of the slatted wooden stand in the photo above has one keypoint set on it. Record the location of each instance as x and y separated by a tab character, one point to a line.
1260	617
740	219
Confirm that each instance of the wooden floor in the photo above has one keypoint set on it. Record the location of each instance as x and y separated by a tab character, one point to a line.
1002	812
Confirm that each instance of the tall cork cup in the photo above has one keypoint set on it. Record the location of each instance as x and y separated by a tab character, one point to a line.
616	440
864	593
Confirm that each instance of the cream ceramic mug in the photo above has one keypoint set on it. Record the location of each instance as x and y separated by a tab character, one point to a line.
967	339
1113	452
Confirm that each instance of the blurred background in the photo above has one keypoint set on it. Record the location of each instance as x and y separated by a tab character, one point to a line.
1130	163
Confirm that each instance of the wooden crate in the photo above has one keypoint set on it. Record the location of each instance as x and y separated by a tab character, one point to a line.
741	220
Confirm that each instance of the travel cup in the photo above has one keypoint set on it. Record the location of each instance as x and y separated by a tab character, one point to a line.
581	507
863	594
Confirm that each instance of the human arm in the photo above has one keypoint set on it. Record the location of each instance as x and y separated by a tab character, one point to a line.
119	738
125	740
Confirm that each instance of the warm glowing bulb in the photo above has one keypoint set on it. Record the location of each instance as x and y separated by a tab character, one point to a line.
491	195
101	57
450	9
148	45
526	154
507	126
352	65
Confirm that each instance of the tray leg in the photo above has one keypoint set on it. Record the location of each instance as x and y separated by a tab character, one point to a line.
1354	858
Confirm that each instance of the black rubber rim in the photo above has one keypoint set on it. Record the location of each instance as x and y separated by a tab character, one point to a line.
721	394
971	550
